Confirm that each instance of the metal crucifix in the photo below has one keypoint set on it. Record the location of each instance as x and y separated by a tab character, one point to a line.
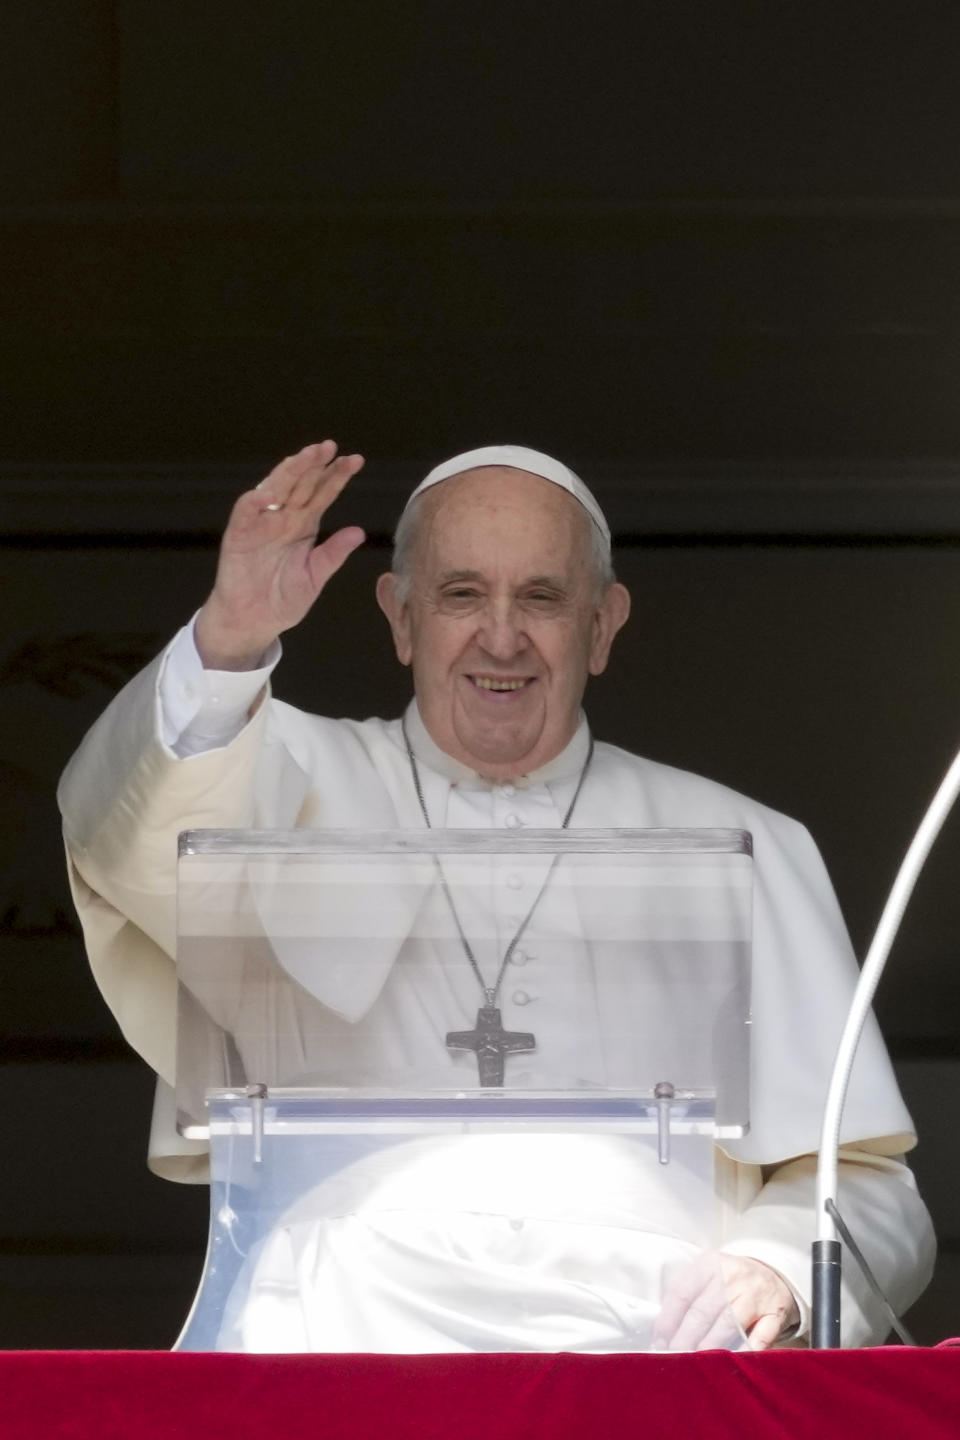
491	1043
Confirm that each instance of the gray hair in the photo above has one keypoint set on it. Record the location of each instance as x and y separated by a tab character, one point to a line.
408	530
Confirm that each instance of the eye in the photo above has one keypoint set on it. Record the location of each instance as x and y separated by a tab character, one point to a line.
460	597
543	598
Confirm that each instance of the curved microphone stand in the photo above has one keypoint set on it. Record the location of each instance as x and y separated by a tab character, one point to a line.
825	1319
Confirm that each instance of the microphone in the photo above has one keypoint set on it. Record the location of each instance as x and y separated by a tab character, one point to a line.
826	1250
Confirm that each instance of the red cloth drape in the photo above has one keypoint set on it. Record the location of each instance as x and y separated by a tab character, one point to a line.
145	1396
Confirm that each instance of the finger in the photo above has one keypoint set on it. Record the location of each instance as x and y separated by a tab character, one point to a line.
326	559
723	1332
292	483
689	1309
673	1307
328	486
256	519
319	483
765	1332
700	1327
277	487
314	475
683	1285
302	488
761	1300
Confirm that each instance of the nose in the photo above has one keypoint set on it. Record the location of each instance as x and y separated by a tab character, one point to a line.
501	632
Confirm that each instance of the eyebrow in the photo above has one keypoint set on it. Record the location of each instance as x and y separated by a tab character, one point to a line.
555	582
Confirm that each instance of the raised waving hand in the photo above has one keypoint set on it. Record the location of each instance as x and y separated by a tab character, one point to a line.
271	570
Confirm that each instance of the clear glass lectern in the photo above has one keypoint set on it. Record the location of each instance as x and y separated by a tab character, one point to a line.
462	1089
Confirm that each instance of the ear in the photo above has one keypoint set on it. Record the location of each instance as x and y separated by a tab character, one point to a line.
612	614
397	613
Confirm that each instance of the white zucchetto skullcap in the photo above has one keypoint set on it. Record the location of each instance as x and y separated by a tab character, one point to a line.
518	457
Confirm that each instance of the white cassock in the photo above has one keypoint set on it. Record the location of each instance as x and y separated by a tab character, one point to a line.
126	795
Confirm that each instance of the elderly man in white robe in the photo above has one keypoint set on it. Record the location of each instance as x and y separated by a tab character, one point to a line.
502	601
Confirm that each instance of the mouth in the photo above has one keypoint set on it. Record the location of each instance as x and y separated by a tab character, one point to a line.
500	685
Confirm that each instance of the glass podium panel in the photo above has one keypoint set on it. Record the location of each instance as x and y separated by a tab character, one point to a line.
347	959
462	1089
491	1223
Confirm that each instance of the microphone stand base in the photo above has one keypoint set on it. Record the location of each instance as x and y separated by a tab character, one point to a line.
825	1318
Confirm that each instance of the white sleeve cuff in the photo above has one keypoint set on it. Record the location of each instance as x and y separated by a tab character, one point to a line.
202	709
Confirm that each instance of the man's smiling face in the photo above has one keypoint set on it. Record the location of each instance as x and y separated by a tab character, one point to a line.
503	619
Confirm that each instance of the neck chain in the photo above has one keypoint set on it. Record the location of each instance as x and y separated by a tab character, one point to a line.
488	1038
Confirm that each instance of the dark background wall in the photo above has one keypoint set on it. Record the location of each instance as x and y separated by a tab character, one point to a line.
708	253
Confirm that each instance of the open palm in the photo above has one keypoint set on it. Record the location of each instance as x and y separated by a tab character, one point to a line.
270	569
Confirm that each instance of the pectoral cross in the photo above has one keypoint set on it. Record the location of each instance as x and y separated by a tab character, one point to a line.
491	1043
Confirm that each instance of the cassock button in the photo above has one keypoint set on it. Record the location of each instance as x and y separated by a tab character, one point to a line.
520	997
512	821
519	957
508	789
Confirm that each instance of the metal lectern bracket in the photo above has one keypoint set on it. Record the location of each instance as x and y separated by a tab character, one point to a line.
663	1093
256	1094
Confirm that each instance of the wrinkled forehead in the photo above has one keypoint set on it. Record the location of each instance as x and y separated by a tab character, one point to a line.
494	515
